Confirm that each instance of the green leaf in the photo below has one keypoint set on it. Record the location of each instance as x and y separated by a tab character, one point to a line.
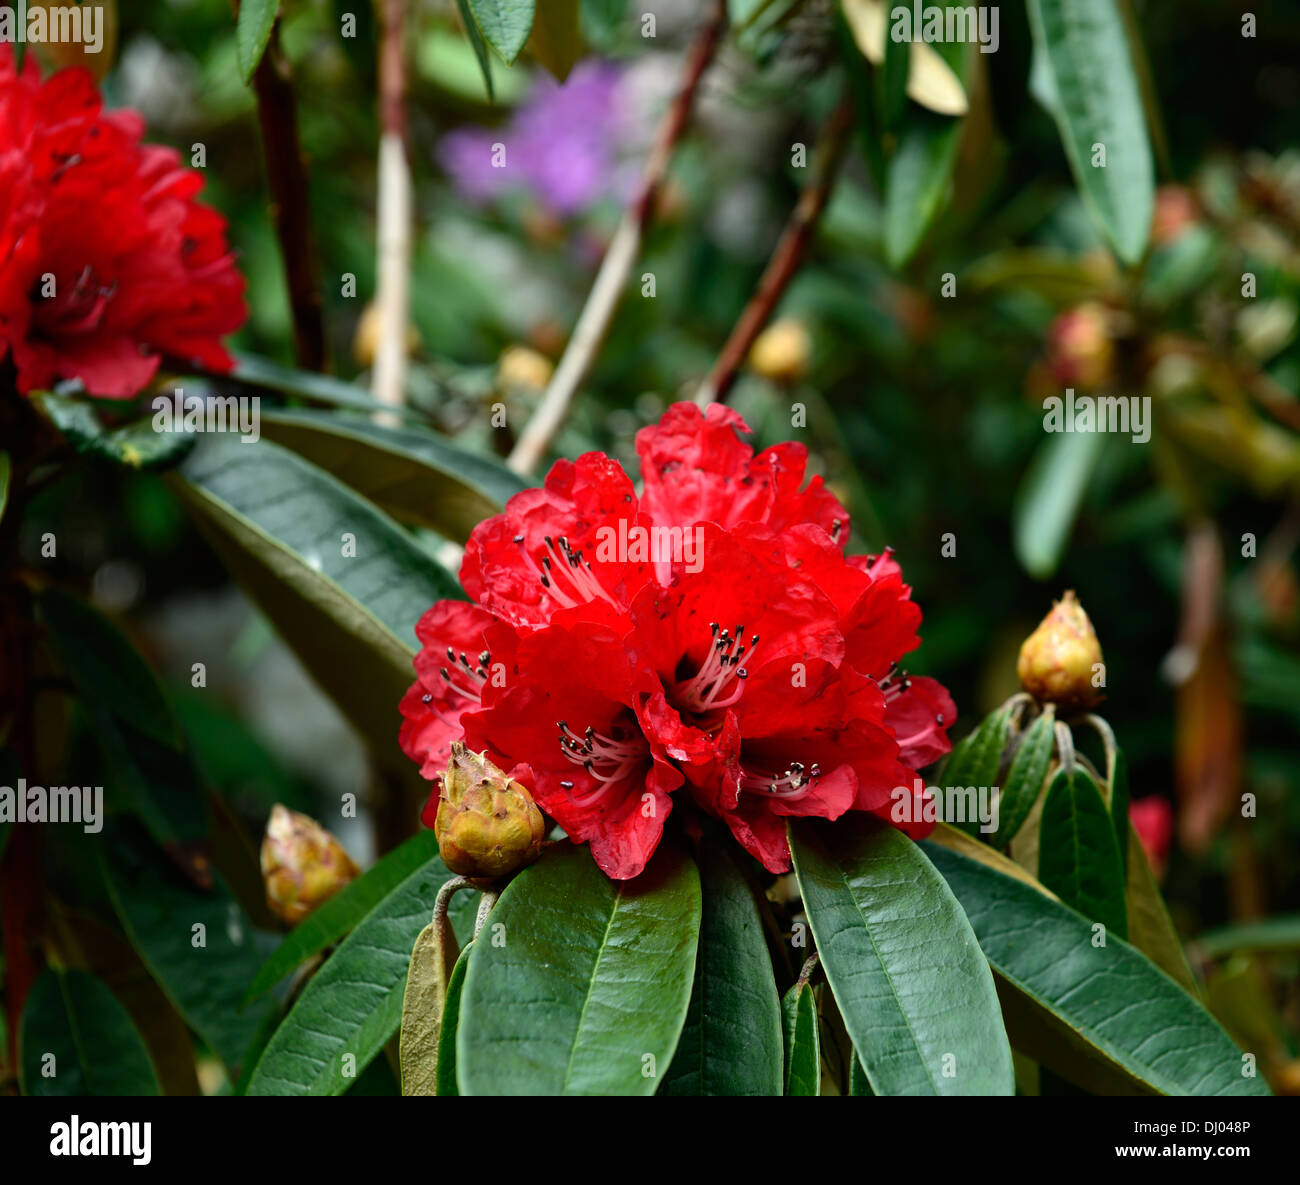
1078	858
975	760
6	475
137	734
137	445
505	24
252	370
480	49
74	1018
326	925
353	1004
580	984
916	994
556	39
1049	497
412	474
199	946
1025	776
432	959
447	1087
278	523
803	1050
731	1042
1098	101
1117	803
1266	937
1103	1017
918	179
252	32
859	1084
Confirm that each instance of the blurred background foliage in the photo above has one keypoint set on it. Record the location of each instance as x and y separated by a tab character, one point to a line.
924	411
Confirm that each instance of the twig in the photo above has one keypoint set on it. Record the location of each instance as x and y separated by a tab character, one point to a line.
620	255
393	239
286	169
787	257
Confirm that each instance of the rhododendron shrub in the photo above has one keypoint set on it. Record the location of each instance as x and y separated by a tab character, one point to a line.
756	677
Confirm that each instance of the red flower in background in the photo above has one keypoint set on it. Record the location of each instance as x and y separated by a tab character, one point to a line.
107	261
708	638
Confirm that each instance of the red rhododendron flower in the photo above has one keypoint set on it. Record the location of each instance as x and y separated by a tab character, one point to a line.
707	639
107	261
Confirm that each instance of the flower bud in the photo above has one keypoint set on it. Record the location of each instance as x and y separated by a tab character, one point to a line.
303	865
1057	660
523	369
487	824
782	352
1080	347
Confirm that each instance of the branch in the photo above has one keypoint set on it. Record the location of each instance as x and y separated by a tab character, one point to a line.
393	238
785	261
290	206
620	255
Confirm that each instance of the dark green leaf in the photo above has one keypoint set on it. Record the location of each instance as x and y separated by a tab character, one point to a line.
916	994
450	1019
285	530
343	911
412	474
974	761
1102	1016
1150	927
919	175
505	24
72	1017
6	474
353	1004
166	919
476	40
580	984
731	1042
1025	776
1269	936
252	32
254	371
1098	102
1078	858
803	1050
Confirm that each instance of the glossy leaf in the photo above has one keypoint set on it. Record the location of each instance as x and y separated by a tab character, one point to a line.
414	475
580	984
803	1051
505	24
1078	858
282	527
975	759
252	32
916	994
73	1018
353	1004
1102	1016
1098	101
450	1019
731	1042
197	944
1049	498
1024	778
343	911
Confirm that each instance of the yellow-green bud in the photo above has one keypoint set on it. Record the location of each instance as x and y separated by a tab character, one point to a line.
303	865
1059	660
487	824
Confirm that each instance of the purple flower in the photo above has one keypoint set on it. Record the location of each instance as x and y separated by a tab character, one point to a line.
561	146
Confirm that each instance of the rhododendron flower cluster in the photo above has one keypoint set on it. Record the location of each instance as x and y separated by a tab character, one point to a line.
107	261
755	674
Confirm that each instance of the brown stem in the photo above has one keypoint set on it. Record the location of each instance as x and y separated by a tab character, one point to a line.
286	169
620	255
787	257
